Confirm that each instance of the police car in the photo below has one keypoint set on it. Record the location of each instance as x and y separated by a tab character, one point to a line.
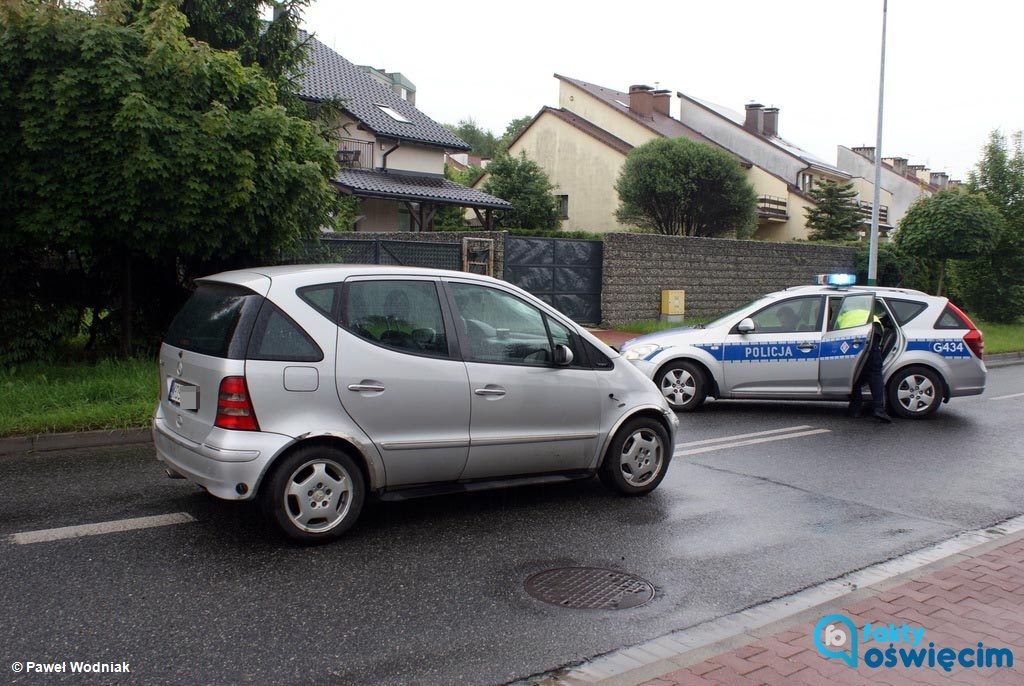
810	343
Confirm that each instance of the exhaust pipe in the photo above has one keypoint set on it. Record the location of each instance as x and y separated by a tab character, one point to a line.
172	474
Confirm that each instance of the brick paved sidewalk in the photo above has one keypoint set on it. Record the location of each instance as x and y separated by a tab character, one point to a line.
977	600
613	338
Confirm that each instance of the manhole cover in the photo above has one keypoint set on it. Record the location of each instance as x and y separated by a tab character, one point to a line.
589	588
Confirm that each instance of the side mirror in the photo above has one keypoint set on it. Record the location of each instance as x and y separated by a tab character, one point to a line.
563	355
746	325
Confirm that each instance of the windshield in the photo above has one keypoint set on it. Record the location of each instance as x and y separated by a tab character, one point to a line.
732	313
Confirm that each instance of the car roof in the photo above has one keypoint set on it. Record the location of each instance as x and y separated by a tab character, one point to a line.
884	290
324	273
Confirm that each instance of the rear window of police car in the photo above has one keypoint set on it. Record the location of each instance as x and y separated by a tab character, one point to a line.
905	310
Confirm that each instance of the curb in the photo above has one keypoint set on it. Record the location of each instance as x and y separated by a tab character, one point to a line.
638	664
1004	359
75	439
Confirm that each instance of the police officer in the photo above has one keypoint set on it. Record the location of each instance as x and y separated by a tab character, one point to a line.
871	373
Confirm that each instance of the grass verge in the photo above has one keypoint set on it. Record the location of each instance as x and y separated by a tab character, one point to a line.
110	394
1002	338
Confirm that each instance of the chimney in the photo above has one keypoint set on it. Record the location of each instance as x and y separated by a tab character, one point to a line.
278	12
771	121
900	165
868	152
641	101
755	117
940	179
662	99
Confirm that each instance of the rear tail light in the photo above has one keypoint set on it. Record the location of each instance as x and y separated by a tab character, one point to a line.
973	339
234	406
975	342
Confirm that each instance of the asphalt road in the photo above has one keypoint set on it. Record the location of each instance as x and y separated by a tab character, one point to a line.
431	591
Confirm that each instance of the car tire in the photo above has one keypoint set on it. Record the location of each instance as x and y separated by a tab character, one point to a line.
314	494
683	384
637	458
914	392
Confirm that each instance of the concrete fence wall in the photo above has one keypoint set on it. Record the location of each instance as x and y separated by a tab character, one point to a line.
717	274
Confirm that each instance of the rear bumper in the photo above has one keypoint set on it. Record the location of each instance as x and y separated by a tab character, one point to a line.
223	462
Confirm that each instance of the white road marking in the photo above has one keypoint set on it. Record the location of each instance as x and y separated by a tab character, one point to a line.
1007	397
751	441
738	437
45	535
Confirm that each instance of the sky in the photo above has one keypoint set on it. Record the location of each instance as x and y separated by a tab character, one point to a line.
952	71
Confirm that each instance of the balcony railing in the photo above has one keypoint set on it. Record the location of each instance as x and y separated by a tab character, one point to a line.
355	154
771	208
864	208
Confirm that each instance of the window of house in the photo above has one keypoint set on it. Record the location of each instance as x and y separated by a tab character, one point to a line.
404	219
563	206
392	113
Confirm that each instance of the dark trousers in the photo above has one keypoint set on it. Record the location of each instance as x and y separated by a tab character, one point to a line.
871	375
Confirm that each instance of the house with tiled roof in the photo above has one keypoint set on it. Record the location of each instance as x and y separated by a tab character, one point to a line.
583	143
755	135
904	182
391	154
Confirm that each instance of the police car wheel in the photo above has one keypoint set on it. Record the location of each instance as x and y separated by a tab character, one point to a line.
683	385
637	457
914	392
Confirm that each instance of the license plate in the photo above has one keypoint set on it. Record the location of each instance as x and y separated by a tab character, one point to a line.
184	395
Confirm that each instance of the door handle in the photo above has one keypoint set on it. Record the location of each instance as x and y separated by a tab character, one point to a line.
805	347
366	388
493	392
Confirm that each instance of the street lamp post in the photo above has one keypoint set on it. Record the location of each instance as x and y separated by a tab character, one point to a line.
873	245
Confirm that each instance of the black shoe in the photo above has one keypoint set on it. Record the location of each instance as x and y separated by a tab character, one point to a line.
855	412
881	416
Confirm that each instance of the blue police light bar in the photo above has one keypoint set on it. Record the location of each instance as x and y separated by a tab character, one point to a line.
837	280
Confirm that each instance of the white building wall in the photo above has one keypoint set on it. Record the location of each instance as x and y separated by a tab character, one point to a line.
903	191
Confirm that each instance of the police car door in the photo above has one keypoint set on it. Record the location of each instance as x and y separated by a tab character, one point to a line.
779	356
844	346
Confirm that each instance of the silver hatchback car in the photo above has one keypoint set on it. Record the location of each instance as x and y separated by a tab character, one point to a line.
798	345
312	387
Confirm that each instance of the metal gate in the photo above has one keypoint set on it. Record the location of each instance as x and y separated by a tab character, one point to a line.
563	272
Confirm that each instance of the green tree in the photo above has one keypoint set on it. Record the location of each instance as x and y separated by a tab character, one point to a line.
452	217
950	225
482	142
524	184
514	128
680	187
992	285
147	155
833	217
237	25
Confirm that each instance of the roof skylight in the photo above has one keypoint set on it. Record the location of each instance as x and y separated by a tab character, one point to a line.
392	113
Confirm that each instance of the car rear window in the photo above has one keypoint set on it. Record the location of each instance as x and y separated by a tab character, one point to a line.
951	320
905	310
215	321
